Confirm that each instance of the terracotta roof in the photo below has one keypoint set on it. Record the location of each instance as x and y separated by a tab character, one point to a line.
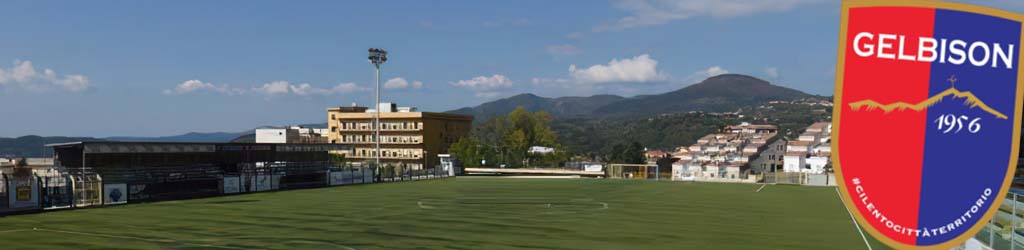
800	143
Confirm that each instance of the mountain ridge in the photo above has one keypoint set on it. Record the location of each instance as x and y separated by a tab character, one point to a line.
722	93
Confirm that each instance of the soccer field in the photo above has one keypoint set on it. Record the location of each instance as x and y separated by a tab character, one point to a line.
462	213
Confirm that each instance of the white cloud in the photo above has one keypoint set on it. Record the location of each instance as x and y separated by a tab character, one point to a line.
24	75
197	85
276	88
496	81
564	49
541	80
637	69
488	94
655	12
486	86
348	87
772	72
707	73
500	23
401	83
575	35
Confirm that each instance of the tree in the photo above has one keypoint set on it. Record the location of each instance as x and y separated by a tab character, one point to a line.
337	158
20	163
526	130
467	150
507	139
634	154
616	154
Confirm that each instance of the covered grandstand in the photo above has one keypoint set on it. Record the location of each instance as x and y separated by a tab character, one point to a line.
153	171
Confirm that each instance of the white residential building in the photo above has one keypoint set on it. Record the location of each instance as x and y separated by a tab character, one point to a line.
732	154
811	152
291	134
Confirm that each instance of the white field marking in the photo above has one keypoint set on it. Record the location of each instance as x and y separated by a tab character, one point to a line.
855	224
604	205
135	238
15	230
420	203
762	187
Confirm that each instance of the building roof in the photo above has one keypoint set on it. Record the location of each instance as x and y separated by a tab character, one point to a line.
751	126
93	147
410	115
800	143
754	145
351	109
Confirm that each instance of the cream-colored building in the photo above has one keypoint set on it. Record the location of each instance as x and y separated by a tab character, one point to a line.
407	136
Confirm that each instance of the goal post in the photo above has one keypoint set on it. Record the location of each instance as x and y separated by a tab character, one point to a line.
633	171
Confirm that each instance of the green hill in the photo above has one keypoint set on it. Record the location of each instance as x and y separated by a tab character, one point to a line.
723	93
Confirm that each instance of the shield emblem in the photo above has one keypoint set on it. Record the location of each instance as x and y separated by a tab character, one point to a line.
926	118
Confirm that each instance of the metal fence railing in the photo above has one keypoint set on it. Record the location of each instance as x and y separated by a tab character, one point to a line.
3	192
398	173
56	191
70	188
1006	229
796	178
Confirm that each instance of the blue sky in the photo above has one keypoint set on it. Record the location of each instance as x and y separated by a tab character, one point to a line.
148	68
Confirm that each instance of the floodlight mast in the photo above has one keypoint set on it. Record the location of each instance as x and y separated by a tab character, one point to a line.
377	57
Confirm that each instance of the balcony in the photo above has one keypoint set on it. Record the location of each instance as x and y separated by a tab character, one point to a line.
384	127
390	140
382	143
398	157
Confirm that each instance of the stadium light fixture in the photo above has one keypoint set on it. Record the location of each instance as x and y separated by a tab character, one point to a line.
377	57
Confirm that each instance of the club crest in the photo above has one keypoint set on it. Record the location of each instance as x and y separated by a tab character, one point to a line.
927	117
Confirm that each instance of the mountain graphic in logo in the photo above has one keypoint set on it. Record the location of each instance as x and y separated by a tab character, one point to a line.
969	99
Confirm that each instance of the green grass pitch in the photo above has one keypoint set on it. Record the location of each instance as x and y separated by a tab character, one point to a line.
462	213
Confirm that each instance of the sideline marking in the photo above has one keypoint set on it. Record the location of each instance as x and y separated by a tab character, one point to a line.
855	224
15	230
762	187
604	205
134	238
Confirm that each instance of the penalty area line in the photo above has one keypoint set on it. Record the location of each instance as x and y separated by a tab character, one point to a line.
855	224
762	187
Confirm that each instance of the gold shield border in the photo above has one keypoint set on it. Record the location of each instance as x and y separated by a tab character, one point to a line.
837	108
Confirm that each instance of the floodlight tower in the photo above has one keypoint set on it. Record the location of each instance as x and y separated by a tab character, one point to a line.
377	57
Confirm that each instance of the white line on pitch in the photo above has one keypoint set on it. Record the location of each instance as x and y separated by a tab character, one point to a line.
135	238
855	224
15	230
762	187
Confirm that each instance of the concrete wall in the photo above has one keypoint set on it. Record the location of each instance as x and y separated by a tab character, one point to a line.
793	164
820	180
275	135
